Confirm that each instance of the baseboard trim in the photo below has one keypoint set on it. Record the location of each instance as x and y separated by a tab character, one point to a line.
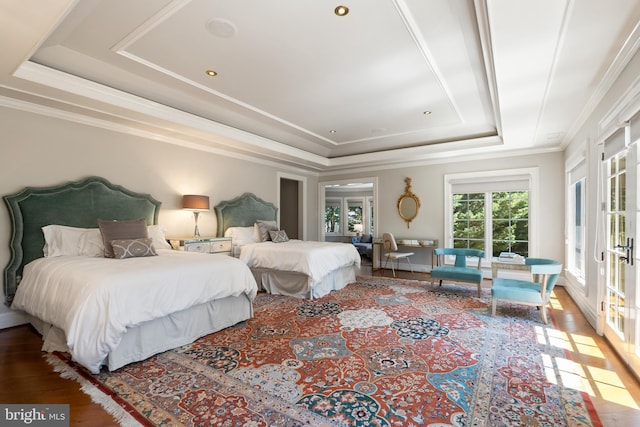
11	319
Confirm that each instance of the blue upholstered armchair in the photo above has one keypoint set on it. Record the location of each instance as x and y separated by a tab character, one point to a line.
537	292
459	271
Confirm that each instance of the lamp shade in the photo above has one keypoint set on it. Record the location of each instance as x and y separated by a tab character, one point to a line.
357	227
195	203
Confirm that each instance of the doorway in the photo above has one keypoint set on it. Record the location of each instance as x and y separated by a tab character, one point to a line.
337	199
292	205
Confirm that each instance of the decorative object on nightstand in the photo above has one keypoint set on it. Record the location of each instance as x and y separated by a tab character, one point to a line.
196	204
206	245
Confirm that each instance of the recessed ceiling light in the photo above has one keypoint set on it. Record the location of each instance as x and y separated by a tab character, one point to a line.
333	131
341	10
426	113
211	73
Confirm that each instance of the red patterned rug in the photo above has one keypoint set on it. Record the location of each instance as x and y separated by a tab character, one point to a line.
379	352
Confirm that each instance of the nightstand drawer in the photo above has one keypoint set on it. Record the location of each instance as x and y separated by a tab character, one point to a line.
221	246
205	245
202	247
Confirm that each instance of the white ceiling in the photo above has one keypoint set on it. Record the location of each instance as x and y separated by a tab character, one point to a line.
299	85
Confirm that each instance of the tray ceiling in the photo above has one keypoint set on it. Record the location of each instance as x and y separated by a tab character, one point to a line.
392	81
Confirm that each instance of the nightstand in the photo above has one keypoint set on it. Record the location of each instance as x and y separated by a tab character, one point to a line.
206	245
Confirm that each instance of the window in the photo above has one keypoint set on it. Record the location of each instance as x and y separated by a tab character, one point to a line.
576	219
332	215
369	225
355	212
342	214
491	211
577	233
495	220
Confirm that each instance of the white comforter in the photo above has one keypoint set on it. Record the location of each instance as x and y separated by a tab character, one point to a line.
315	259
94	300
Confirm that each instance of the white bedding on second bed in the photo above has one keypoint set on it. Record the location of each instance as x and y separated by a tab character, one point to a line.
94	300
315	259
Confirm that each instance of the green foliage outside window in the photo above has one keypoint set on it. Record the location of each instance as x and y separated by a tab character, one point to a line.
332	218
354	216
468	220
509	221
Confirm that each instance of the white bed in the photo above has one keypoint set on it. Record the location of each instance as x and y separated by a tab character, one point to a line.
301	268
304	269
111	312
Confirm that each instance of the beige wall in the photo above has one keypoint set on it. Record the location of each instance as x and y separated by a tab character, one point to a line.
42	151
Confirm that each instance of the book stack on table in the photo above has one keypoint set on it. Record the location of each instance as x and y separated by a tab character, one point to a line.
511	257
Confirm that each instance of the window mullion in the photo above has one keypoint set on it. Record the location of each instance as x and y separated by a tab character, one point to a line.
488	224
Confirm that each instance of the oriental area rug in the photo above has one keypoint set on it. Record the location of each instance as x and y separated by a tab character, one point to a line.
380	352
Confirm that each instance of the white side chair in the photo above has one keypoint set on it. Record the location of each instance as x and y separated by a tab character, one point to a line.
391	252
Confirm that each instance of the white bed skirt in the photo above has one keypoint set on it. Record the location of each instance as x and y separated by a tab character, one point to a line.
297	284
161	334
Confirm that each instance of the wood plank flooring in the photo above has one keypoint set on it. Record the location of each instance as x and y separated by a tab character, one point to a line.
26	377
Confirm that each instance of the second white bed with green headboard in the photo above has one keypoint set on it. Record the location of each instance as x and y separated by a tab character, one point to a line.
304	269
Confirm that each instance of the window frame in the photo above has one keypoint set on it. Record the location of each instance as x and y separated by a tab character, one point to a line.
353	201
493	181
334	201
576	171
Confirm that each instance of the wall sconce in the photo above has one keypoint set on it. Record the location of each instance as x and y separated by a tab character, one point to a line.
358	228
196	204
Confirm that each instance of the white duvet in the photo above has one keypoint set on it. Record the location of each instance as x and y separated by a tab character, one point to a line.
94	300
315	259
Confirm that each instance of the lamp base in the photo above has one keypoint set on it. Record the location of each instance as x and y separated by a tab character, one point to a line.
196	232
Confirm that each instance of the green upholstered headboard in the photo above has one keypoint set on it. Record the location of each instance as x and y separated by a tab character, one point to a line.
243	211
75	204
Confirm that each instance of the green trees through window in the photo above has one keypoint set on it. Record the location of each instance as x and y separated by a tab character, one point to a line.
498	221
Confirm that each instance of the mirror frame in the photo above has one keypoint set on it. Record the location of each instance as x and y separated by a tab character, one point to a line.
408	195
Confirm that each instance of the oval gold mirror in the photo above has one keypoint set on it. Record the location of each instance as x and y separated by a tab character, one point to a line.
408	204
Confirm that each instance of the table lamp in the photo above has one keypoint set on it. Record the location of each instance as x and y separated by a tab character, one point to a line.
196	204
358	228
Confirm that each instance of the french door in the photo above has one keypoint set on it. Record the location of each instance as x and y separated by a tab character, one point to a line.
620	304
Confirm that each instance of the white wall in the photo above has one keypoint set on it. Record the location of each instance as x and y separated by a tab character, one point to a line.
43	151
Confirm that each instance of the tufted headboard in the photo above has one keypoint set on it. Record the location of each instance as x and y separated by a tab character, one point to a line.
243	211
75	204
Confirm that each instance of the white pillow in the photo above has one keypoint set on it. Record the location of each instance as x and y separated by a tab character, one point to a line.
241	235
60	240
91	243
157	233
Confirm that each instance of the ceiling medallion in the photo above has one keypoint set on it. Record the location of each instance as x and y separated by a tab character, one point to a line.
341	10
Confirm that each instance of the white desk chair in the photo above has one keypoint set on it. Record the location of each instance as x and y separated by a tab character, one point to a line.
390	252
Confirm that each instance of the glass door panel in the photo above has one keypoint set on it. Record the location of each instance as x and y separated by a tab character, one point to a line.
620	306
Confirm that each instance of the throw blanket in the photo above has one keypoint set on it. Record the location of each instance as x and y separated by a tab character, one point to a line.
315	259
94	300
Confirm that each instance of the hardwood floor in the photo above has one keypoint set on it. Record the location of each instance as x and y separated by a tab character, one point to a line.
26	377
